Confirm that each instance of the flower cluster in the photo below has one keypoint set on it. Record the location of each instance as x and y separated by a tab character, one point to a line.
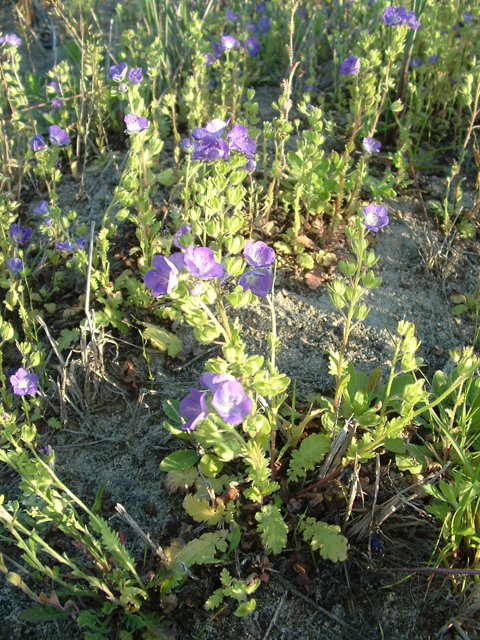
208	145
228	43
118	72
58	137
396	16
228	399
259	279
11	39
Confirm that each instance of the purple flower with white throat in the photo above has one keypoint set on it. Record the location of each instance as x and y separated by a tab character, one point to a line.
58	136
162	279
211	149
184	229
350	66
258	254
258	281
252	45
239	141
135	76
411	21
194	408
57	103
135	124
24	383
229	43
19	235
201	263
42	208
394	16
66	245
231	402
375	216
371	145
11	39
118	72
15	265
37	143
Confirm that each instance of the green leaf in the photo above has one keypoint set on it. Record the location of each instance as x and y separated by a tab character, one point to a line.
179	460
199	551
162	339
272	528
305	261
245	608
308	455
201	510
172	410
215	600
327	539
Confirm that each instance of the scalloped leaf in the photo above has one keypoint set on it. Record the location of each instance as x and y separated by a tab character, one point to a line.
201	510
199	551
309	454
272	528
327	539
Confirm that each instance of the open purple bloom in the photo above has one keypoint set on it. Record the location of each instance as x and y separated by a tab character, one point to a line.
57	103
42	208
216	127
375	216
118	72
201	263
434	58
15	265
231	15
371	145
58	135
24	383
257	281
66	245
135	75
184	229
252	45
231	402
11	39
211	149
264	24
162	278
411	21
187	144
80	243
394	16
239	140
258	254
19	235
209	59
212	381
350	66
135	124
229	43
251	165
194	408
178	260
37	143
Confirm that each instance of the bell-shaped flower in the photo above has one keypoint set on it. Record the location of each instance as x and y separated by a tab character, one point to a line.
258	254
162	279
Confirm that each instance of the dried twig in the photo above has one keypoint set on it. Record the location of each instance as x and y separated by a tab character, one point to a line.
120	509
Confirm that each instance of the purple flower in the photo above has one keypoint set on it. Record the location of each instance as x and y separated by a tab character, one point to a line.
231	15
57	103
58	136
229	43
196	290
19	235
66	245
15	265
212	381
211	149
42	208
45	450
201	263
37	143
162	278
239	141
394	17
11	39
251	26
135	75
135	124
310	87
350	66
256	281
80	243
184	229
251	165
375	216
55	86
467	16
415	63
178	260
48	221
411	21
261	7
215	128
218	49
209	59
264	24
186	143
371	145
194	408
258	254
231	402
24	383
433	59
118	72
252	45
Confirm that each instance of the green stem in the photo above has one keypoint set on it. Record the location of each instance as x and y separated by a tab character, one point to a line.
222	312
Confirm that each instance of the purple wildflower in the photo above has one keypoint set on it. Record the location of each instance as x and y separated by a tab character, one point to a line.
162	278
48	221
231	15
211	149
80	243
42	208
188	144
375	216
45	450
258	254
57	103
256	281
467	16
218	49
135	75
58	136
371	145
135	124
24	383
252	27
411	21
11	39
251	165
350	66
231	402
196	290
178	260
55	86
229	43
212	381
214	128
434	58
15	265
209	59
394	16
261	7
415	63
264	24
239	141
37	143
66	245
19	235
252	45
118	72
194	408
201	263
184	229
310	87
